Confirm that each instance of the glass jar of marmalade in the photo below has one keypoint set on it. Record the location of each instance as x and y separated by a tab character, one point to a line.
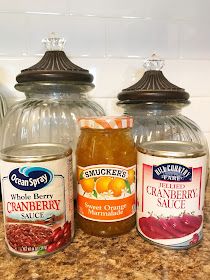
106	165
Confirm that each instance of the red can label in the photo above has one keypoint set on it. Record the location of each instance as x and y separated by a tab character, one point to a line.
38	206
170	198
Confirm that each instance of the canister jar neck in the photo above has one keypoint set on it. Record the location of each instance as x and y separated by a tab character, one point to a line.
56	95
54	90
156	109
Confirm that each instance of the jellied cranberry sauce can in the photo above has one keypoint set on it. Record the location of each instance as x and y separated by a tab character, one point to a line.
171	179
37	190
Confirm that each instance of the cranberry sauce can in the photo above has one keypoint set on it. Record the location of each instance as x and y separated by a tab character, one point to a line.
171	179
37	192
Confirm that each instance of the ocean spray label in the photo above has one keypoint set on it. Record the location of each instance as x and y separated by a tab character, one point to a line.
38	201
30	178
170	199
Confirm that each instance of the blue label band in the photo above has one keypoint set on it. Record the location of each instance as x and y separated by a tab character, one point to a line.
172	172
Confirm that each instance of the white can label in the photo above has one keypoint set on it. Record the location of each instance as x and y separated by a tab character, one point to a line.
38	206
170	199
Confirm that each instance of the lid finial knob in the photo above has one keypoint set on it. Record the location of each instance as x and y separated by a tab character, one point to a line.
153	63
54	43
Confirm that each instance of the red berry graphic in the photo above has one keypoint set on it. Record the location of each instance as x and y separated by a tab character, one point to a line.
173	227
195	239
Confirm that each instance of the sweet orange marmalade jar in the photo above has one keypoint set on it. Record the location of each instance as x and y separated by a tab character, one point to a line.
106	164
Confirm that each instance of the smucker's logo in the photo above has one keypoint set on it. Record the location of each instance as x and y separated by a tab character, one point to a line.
104	172
172	172
30	178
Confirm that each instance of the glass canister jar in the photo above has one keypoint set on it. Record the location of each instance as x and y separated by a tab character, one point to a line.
106	162
156	105
3	110
172	160
55	90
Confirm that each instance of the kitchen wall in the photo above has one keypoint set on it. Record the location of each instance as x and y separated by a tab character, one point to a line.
111	38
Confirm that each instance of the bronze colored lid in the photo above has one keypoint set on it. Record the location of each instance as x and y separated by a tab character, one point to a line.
153	87
55	66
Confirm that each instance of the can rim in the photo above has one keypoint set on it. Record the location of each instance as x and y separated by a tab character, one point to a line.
34	158
195	151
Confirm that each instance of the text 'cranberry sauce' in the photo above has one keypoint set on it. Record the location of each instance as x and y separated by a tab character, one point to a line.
37	192
171	179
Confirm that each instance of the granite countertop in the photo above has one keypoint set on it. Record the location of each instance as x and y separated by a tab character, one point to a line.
125	257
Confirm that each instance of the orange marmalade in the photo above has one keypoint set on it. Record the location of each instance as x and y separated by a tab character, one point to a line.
106	168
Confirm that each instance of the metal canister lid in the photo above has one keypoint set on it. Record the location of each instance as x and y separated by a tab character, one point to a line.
35	152
174	149
153	87
54	67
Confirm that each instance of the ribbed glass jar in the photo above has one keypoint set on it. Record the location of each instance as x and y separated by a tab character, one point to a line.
156	105
56	96
159	121
47	117
172	161
3	110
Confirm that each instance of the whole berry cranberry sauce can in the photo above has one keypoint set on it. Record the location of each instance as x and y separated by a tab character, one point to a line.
171	181
37	189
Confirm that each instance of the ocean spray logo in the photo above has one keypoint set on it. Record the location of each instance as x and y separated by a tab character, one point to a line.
172	172
30	178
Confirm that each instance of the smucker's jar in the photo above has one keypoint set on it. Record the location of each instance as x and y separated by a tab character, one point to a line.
106	163
170	194
37	192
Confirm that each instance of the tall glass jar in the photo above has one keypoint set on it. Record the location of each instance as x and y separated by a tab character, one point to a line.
3	110
156	106
172	161
55	90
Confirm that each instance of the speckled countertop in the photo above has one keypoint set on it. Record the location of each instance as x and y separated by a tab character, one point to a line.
125	257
